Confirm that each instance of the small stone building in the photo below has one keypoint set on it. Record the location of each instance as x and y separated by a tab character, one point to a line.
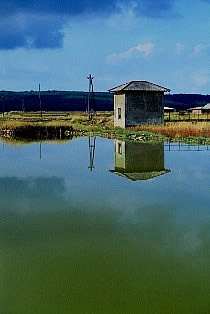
139	161
138	102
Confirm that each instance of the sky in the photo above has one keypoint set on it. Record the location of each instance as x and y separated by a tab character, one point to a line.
58	43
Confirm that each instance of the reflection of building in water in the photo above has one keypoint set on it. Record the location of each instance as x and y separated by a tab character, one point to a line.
139	161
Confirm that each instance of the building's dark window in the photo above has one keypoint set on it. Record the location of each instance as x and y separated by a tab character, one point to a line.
119	113
119	148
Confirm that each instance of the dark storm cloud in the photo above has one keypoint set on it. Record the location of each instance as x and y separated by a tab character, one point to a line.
155	8
73	7
39	24
31	32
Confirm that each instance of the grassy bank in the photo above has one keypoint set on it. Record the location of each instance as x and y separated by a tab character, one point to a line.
102	124
187	131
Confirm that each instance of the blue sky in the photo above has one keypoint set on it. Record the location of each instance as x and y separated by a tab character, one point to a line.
58	43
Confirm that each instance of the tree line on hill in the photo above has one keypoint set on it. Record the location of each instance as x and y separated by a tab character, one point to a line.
77	101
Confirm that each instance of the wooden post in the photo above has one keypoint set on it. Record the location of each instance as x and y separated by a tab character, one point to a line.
3	105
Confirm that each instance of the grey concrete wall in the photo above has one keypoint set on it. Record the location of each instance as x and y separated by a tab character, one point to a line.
144	108
119	102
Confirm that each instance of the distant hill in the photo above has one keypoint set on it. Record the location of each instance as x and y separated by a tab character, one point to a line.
185	101
77	101
54	101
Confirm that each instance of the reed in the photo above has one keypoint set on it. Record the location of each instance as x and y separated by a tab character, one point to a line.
178	130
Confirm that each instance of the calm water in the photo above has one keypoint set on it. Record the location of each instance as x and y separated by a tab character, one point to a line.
127	231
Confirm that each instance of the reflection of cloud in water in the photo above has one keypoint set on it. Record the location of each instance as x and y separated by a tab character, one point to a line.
102	235
30	194
54	217
142	251
155	211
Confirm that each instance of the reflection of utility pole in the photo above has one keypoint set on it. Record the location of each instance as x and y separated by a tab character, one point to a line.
92	146
40	150
90	104
40	101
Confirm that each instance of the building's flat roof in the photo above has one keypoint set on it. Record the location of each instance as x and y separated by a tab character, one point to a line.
139	86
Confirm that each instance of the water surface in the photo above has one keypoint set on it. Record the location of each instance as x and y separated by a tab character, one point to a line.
104	226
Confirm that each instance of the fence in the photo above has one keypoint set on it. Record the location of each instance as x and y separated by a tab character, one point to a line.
184	116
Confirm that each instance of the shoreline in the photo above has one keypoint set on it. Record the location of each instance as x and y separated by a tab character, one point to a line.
101	125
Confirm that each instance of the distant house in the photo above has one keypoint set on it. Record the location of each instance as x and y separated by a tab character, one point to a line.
195	110
139	161
138	102
200	109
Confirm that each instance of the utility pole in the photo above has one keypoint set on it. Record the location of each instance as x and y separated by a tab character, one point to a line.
23	103
40	101
2	97
90	97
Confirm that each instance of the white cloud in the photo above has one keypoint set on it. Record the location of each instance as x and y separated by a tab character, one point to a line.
146	49
179	48
143	49
198	49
